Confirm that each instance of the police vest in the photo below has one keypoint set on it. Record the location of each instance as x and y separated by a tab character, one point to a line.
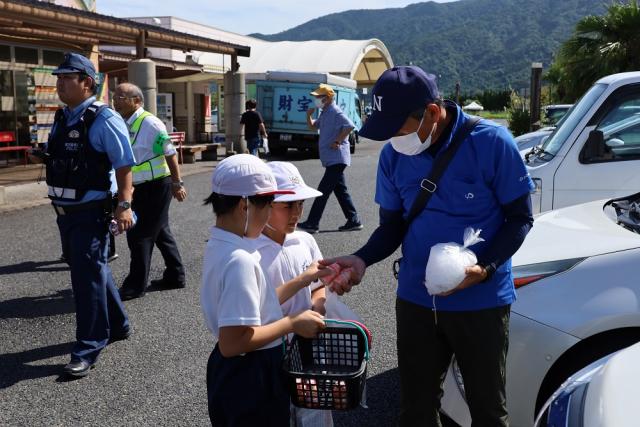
74	166
156	166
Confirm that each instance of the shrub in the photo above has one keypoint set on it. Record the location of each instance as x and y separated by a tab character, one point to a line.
519	121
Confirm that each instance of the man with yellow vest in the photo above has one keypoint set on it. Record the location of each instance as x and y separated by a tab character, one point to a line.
156	178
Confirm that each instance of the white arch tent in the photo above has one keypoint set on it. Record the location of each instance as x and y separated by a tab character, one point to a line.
360	60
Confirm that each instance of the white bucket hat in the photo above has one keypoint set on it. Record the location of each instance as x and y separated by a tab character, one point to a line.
244	175
288	178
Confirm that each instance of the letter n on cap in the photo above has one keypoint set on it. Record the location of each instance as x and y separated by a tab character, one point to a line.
377	102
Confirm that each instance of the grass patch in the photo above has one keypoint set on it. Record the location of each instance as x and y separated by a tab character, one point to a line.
494	114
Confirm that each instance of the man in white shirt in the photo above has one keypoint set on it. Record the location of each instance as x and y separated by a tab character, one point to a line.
156	178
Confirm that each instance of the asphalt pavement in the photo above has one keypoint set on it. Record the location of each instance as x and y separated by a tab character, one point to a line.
157	377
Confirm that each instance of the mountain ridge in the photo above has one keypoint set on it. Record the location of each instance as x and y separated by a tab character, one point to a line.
484	44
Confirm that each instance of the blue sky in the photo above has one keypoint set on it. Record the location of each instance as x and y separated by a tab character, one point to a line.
243	16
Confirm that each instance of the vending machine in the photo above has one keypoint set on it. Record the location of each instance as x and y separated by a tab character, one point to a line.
164	106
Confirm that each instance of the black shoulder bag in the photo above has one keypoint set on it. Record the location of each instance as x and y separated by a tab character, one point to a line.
429	185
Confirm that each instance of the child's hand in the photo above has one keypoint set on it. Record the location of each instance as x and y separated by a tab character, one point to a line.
313	273
308	323
317	305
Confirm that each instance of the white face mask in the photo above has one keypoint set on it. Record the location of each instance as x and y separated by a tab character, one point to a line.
410	144
318	102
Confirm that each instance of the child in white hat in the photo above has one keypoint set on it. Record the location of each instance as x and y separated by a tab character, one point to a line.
244	381
289	260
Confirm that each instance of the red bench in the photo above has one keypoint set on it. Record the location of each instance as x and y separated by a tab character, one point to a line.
177	139
8	138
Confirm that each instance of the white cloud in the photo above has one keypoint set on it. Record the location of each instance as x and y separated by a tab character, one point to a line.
243	16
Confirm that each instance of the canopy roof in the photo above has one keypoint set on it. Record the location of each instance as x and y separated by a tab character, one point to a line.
360	60
474	106
51	25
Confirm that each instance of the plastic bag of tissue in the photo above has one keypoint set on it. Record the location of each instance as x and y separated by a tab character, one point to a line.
448	261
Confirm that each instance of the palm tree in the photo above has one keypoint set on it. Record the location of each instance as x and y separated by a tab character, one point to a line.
600	45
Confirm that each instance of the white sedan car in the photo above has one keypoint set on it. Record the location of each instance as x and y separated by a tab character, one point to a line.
578	282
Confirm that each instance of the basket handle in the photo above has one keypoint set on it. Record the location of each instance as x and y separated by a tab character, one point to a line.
356	326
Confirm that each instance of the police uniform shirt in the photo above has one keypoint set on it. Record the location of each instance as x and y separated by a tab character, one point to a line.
108	134
331	122
485	173
282	263
151	139
234	291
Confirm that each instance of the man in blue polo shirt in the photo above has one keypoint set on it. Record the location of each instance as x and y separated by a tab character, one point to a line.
333	145
87	142
486	186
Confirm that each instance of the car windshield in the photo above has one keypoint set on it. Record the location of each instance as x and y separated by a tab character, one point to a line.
568	123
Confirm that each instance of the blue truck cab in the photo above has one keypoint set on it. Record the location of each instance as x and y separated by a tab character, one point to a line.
283	99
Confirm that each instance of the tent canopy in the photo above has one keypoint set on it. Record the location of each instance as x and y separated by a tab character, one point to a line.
474	106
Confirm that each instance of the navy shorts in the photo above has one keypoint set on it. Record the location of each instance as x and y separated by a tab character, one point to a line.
247	390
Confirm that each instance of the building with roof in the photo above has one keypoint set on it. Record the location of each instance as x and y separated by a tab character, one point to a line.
361	60
34	36
185	62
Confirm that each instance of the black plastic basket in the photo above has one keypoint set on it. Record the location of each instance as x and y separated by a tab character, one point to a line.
330	370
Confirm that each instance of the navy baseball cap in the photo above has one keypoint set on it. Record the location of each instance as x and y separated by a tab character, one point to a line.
75	63
398	92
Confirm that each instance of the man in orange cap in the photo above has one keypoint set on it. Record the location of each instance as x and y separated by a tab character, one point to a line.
333	146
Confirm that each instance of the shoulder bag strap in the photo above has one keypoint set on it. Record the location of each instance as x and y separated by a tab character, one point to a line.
429	185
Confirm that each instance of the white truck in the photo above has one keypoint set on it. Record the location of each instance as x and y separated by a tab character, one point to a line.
594	152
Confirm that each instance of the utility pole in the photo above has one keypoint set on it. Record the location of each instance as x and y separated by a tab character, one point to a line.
458	93
536	88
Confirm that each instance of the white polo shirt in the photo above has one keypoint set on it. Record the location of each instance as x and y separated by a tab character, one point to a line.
234	291
152	138
281	263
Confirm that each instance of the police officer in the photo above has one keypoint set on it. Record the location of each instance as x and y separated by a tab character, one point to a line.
87	142
156	178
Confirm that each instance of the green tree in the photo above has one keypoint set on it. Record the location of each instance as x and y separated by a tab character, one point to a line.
600	45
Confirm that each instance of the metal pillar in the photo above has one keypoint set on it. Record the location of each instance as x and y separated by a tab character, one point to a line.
536	88
142	73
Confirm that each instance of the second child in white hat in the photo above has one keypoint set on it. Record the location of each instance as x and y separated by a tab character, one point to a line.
289	260
244	380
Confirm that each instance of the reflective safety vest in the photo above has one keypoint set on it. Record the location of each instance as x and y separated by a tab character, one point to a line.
155	167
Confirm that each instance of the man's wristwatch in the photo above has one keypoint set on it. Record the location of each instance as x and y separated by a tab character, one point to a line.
489	268
178	184
125	204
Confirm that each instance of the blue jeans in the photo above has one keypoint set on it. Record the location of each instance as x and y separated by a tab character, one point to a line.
332	182
253	144
100	313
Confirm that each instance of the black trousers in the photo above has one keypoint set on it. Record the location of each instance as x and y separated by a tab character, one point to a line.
151	202
427	341
333	181
248	390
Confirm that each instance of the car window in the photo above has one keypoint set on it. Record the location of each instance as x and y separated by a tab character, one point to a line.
554	114
567	125
621	130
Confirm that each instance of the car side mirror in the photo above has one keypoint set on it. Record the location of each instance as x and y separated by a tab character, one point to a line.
594	147
614	143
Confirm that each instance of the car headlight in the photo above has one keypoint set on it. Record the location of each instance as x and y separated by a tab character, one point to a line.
566	405
526	274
